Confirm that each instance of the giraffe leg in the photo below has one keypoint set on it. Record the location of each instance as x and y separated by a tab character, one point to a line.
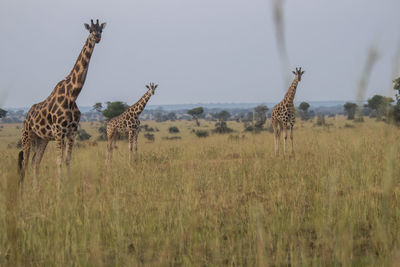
23	157
135	142
291	139
131	137
277	134
60	146
70	145
34	148
284	138
39	151
110	147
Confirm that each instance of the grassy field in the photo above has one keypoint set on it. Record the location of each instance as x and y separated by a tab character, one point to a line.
220	200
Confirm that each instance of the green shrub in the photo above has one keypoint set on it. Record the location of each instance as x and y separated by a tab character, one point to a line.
83	135
201	133
149	137
173	129
103	133
221	127
147	128
347	125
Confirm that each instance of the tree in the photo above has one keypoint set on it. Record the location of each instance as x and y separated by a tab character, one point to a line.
220	125
195	113
114	109
350	109
396	86
97	107
171	116
223	115
304	106
260	116
396	110
248	122
381	104
158	116
3	113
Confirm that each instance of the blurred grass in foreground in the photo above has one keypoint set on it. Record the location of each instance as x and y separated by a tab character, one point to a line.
212	201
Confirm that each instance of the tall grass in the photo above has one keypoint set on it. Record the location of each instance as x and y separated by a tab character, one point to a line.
212	201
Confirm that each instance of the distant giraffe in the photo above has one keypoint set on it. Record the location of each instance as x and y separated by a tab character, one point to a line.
283	114
128	122
57	117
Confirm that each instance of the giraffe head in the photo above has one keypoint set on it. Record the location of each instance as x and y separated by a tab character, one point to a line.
298	73
152	87
95	30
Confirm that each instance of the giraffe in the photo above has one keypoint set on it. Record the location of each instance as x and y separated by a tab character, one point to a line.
128	122
283	114
57	117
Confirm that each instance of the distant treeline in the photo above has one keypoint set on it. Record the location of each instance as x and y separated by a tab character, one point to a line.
378	106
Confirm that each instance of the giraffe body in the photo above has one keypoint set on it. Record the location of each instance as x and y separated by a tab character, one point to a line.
283	114
57	117
128	122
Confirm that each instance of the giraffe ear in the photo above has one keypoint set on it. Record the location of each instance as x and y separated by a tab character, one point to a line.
103	25
87	26
294	72
303	72
147	87
155	86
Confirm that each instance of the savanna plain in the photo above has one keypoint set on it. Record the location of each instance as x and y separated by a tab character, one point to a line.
220	200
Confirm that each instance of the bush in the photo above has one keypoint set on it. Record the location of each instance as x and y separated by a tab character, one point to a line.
173	129
320	120
221	127
83	135
395	114
103	133
147	128
149	137
347	125
202	133
250	128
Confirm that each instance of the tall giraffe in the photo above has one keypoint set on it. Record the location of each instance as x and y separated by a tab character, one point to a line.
57	117
283	114
128	122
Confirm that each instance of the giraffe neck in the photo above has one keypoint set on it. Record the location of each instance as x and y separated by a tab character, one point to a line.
289	97
78	73
139	106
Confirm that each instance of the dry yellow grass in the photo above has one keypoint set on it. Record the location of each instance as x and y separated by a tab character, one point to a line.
218	200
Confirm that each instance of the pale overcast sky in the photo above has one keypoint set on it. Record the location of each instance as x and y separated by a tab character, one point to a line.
198	51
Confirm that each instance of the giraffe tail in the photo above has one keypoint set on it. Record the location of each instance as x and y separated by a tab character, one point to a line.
20	159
